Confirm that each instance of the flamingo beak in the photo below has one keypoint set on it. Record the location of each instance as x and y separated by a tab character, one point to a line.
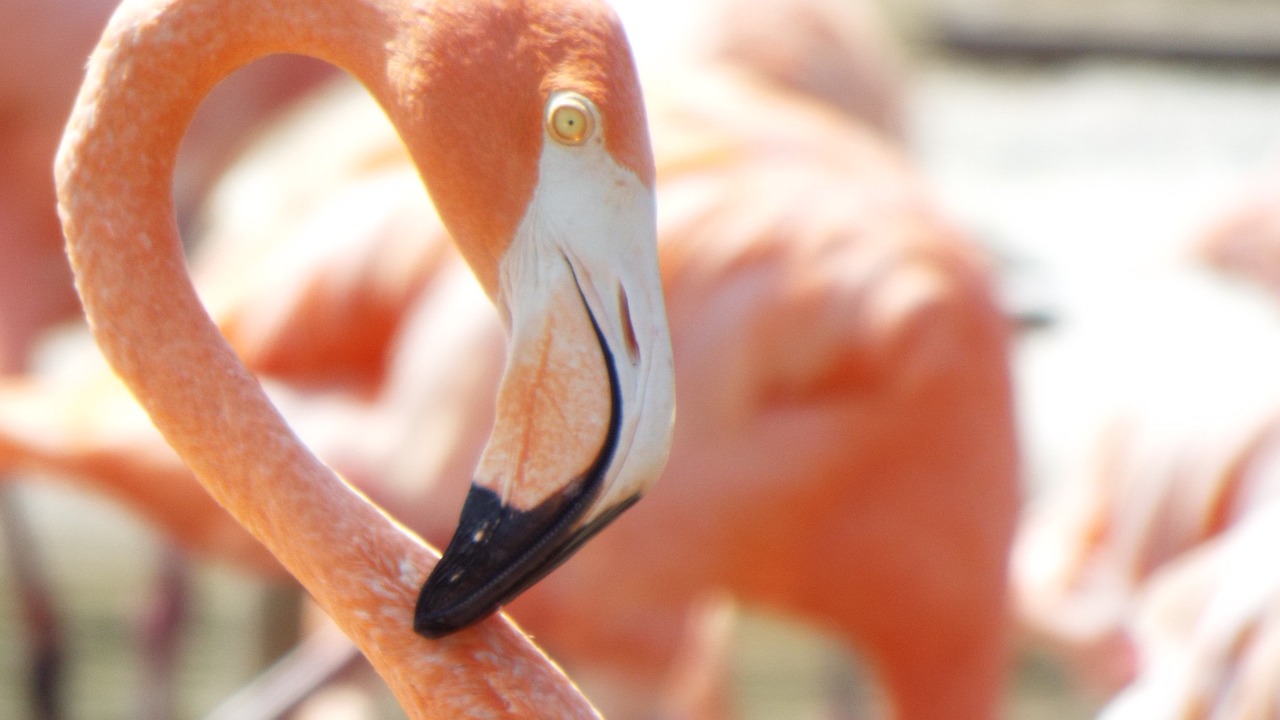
584	412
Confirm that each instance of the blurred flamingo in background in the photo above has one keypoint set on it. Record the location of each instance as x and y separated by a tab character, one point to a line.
35	284
1207	629
1168	475
40	69
845	450
562	184
1152	571
41	65
841	52
1206	624
1154	579
1245	242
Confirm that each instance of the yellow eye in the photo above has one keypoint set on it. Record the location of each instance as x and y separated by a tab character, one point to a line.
571	118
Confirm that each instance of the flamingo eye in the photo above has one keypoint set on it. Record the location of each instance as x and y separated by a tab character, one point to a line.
571	118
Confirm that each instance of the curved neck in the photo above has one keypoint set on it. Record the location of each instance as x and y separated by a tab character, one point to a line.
114	172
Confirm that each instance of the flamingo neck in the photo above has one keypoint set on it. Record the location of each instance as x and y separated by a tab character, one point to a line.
114	172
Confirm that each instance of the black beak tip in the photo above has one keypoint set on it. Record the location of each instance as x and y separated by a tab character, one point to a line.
447	602
435	623
497	552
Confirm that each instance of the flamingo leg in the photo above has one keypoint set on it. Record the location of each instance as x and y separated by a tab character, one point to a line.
160	627
322	656
45	652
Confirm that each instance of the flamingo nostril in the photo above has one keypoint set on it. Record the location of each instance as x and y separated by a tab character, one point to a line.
624	313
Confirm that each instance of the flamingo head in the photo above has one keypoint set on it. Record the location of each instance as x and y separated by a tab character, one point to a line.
529	131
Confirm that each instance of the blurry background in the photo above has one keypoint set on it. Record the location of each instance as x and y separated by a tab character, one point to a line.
1086	142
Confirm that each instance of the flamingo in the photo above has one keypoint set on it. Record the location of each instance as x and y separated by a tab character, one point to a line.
1207	629
534	148
1155	580
1205	622
1168	475
889	405
1150	572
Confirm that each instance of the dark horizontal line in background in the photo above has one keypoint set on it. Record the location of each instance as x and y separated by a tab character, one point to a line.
1202	36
